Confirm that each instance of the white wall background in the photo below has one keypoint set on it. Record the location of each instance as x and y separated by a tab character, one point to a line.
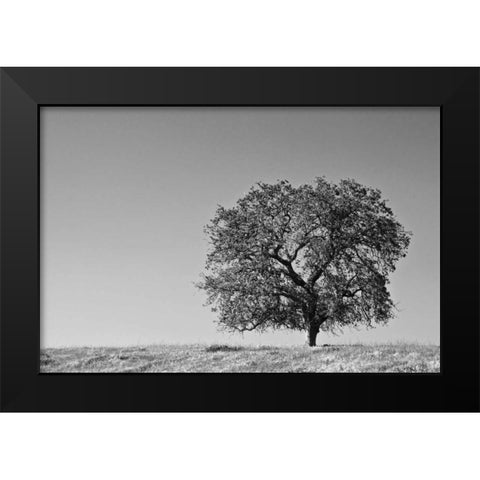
250	32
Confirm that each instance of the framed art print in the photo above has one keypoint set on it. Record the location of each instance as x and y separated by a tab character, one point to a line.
239	239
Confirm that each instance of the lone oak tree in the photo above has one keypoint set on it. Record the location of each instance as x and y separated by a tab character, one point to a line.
306	258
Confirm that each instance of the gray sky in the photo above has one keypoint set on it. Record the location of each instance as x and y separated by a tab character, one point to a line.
126	193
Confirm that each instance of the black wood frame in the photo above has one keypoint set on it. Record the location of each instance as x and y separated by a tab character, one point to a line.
24	90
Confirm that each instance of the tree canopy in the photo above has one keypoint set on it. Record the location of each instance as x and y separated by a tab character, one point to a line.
312	257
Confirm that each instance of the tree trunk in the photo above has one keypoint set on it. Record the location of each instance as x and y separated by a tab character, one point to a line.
312	332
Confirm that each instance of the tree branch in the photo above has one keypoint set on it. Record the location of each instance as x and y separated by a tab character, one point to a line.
349	294
288	295
297	250
364	262
321	270
290	272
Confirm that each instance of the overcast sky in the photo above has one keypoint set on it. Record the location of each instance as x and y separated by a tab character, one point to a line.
127	191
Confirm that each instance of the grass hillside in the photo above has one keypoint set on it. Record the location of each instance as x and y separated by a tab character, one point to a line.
409	358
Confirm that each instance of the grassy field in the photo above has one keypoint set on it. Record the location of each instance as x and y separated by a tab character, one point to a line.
400	357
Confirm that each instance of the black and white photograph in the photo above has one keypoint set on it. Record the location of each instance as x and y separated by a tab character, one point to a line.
225	225
240	239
